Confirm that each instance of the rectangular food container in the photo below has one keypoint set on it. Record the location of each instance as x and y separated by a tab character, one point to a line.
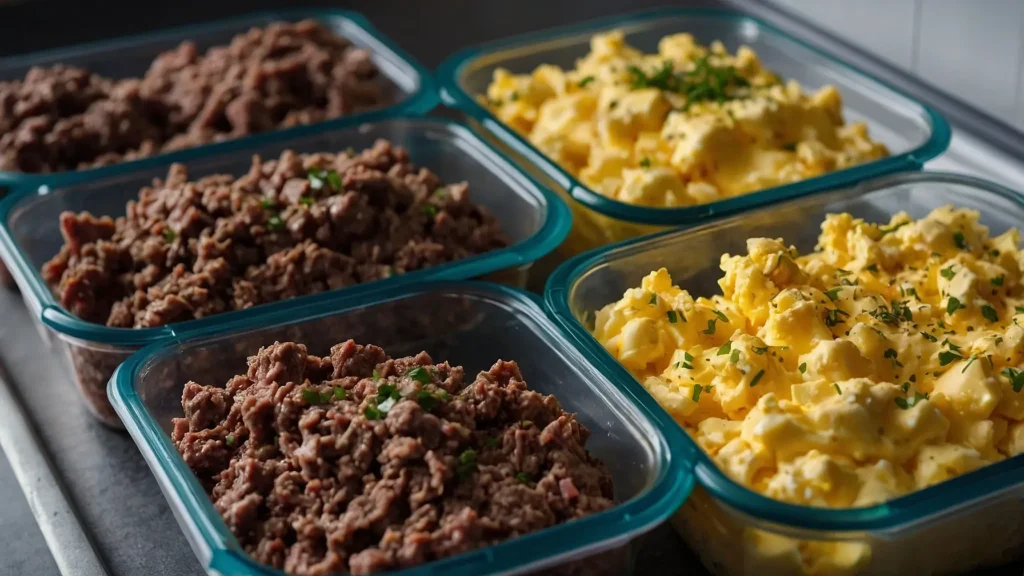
954	527
913	132
533	218
130	56
468	324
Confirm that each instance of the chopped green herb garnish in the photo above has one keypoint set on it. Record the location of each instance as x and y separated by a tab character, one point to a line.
385	406
838	389
947	273
306	201
169	234
430	210
584	81
492	442
275	223
312	396
376	375
230	439
734	357
725	348
427	400
687	357
998	280
419	374
871	268
320	178
947	356
953	305
268	204
721	316
372	413
959	240
833	317
893	228
803	367
467	463
339	393
654	300
756	378
524	477
989	313
929	337
672	316
645	162
905	386
907	403
711	327
841	272
387	392
760	351
1018	309
696	392
1016	378
526	423
833	293
968	365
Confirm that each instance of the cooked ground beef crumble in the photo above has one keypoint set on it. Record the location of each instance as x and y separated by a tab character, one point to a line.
301	224
62	117
357	462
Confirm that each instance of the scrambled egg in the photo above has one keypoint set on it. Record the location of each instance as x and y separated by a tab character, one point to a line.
687	125
888	360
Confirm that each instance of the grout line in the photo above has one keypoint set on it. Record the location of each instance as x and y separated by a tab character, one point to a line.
915	36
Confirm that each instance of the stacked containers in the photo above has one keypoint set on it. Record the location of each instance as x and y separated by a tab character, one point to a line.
410	83
533	218
466	324
953	527
912	132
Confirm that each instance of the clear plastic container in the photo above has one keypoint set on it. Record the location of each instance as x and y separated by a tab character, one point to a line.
954	527
411	84
468	324
913	132
533	218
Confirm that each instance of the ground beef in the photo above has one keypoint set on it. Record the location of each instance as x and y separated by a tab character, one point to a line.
297	225
65	118
357	462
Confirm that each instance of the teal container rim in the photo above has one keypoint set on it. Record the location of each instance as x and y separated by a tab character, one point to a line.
554	229
423	100
893	516
672	485
454	96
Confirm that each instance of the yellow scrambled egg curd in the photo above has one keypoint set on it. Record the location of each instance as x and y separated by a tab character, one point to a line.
888	360
687	125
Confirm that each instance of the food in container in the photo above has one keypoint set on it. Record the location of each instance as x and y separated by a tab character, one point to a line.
300	224
910	132
361	463
689	124
419	400
853	394
64	117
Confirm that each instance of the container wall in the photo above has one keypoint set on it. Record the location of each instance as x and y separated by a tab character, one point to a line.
730	543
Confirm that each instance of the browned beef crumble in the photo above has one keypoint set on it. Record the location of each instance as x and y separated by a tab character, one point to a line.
357	462
65	118
301	224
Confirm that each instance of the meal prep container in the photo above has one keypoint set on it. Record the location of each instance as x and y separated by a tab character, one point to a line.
468	324
533	218
412	84
913	132
954	527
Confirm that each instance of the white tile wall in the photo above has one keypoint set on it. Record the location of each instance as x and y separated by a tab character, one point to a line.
973	49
